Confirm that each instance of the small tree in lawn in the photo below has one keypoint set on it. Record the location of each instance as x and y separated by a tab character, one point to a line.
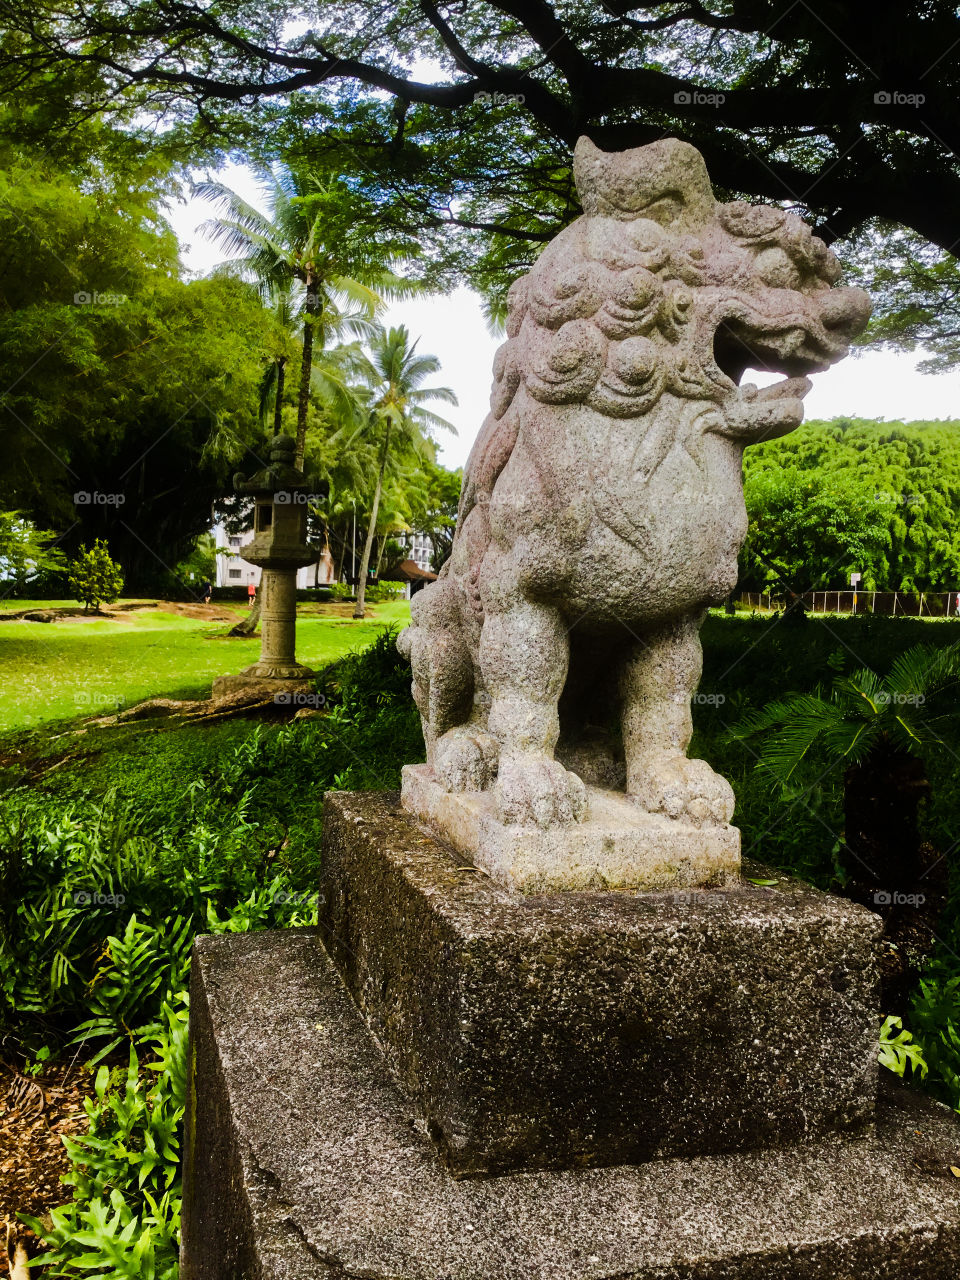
94	577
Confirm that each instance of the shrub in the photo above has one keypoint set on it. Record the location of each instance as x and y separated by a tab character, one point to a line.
95	578
377	592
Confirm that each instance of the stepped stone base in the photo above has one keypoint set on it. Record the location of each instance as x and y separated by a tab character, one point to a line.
304	1162
618	846
597	1028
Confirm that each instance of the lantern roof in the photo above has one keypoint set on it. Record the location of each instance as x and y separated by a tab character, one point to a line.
279	474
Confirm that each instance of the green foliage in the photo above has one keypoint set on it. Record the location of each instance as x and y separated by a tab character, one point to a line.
316	260
879	497
398	411
26	551
94	578
915	288
935	1020
377	592
221	827
458	125
200	565
906	710
220	834
124	1217
806	530
130	392
434	509
898	1052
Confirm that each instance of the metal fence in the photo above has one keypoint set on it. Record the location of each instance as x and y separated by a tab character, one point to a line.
908	604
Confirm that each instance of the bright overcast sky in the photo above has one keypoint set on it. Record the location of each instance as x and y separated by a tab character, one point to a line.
451	326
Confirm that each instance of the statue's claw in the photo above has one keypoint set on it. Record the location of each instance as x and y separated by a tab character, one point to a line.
465	759
685	789
535	790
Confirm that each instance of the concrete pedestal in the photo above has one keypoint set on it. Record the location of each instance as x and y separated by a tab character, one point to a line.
597	1028
304	1161
617	846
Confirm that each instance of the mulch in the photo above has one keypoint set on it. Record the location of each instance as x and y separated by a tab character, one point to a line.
34	1116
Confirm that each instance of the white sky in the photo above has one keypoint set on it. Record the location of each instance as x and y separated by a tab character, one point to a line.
451	326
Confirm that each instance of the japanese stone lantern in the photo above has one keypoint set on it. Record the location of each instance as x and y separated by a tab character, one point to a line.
280	547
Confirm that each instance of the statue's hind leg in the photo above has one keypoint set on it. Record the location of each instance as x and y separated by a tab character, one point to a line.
657	684
461	753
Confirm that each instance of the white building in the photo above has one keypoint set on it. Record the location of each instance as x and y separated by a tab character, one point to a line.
419	548
234	571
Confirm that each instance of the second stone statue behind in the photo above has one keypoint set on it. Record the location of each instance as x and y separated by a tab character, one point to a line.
602	512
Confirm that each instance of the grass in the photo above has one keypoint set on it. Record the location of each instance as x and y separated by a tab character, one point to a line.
60	670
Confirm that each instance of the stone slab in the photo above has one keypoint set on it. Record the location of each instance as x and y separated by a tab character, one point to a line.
618	845
596	1028
305	1162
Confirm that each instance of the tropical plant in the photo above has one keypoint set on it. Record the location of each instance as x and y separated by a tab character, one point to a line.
124	1217
307	256
881	730
897	1050
282	348
398	411
877	727
95	578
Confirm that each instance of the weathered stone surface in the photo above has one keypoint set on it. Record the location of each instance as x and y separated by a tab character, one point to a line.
617	846
304	1162
602	507
279	546
597	1028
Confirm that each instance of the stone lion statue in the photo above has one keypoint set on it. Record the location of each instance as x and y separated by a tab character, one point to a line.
602	507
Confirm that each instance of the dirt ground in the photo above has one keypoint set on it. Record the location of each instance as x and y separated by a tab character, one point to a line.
207	612
34	1115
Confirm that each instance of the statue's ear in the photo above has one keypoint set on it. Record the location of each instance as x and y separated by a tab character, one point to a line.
666	182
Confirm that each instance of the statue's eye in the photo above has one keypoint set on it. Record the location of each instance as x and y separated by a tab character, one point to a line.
776	268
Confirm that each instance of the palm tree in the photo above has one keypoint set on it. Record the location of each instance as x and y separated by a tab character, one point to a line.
880	728
306	249
398	412
281	344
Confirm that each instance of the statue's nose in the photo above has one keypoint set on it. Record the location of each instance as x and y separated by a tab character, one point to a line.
846	311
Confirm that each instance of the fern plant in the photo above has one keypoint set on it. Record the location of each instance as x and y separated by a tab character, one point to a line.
879	728
124	1218
145	959
897	1050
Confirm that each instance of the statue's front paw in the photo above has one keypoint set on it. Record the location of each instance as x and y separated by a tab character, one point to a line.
685	789
535	790
465	759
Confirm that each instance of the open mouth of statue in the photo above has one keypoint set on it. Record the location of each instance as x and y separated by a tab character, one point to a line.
791	347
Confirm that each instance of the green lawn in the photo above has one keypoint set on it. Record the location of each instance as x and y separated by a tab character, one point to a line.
56	671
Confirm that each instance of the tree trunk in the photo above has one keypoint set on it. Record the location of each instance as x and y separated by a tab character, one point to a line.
890	869
303	401
343	556
881	804
278	404
372	527
247	626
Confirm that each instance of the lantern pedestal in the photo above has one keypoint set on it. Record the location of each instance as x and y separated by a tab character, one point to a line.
280	547
278	628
